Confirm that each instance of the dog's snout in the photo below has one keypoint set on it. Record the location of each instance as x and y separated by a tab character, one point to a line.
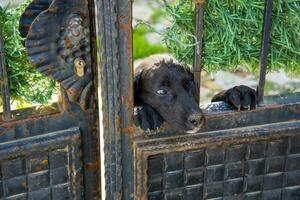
196	119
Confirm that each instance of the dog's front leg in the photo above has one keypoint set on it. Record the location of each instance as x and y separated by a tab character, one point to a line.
241	97
147	117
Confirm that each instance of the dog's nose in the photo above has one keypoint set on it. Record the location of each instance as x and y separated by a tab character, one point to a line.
196	119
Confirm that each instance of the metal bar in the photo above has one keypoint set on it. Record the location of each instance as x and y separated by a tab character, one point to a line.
264	49
108	22
198	47
126	63
4	83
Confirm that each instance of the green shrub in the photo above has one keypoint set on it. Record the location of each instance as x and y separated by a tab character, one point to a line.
25	83
232	34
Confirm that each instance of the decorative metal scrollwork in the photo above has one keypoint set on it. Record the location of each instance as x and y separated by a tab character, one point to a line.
30	13
58	45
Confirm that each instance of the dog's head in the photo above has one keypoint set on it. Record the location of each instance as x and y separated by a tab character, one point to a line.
168	87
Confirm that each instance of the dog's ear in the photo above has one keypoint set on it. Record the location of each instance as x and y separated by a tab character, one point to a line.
137	86
189	69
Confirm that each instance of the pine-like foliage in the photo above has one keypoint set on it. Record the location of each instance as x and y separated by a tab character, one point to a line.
232	34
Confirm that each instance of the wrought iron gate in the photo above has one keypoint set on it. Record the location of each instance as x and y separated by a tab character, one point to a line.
237	155
53	153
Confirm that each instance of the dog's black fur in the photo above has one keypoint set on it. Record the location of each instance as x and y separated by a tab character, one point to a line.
164	89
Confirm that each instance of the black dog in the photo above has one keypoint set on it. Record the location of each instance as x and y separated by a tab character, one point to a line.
165	90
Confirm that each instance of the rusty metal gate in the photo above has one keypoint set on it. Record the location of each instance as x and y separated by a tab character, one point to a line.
56	155
53	152
237	155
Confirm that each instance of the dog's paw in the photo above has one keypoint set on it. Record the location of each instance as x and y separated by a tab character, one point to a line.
147	118
241	97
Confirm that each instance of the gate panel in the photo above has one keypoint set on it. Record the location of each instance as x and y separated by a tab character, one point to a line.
257	169
53	153
237	155
43	133
42	167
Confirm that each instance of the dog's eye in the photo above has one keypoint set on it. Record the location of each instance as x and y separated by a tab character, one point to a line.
161	92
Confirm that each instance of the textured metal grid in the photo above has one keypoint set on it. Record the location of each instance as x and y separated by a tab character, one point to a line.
42	167
257	170
38	176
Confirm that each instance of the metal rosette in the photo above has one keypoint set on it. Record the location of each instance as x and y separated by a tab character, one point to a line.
58	46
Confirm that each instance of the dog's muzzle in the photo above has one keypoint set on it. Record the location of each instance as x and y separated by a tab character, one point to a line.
195	122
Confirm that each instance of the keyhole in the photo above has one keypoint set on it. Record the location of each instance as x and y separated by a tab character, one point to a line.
79	64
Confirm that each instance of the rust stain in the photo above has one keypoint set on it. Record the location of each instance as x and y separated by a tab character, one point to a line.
122	17
133	129
45	162
73	92
127	27
129	102
200	2
92	166
118	122
44	49
68	44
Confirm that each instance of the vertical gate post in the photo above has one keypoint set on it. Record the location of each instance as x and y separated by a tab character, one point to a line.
264	48
114	37
198	48
124	17
110	135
